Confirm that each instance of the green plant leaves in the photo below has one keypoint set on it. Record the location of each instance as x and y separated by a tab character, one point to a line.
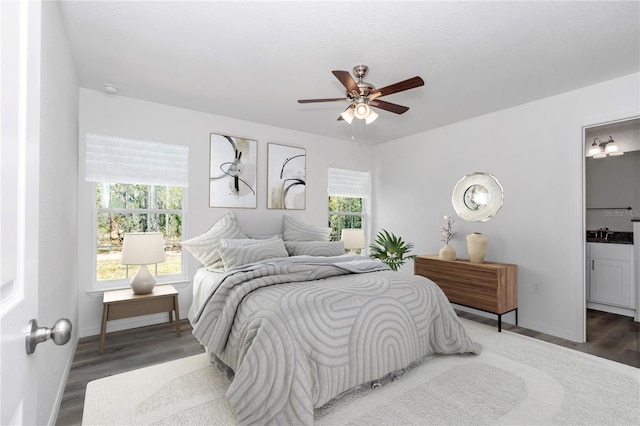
392	250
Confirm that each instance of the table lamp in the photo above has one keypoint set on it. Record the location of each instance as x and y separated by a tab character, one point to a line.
353	239
142	248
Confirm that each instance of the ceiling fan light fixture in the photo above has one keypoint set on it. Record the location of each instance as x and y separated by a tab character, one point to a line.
347	114
371	117
361	110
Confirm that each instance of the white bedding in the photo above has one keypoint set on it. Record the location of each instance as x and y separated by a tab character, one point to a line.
299	331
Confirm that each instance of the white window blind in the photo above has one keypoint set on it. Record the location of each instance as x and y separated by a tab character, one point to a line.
349	183
120	160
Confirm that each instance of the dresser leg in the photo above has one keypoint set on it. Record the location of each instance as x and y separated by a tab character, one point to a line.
499	323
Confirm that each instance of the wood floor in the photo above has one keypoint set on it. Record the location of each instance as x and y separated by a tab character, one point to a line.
124	351
609	336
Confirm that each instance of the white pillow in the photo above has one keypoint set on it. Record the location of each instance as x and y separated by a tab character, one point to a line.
315	248
264	236
246	241
234	257
206	247
295	230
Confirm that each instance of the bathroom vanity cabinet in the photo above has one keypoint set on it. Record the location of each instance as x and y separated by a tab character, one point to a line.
610	275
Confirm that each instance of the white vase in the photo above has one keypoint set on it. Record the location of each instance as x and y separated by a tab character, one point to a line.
447	253
477	246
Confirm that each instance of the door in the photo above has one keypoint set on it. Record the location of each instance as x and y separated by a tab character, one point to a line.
19	176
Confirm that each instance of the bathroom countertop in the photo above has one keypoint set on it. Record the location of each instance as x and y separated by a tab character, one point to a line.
611	237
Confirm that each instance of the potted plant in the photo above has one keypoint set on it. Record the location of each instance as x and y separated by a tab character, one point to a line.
392	250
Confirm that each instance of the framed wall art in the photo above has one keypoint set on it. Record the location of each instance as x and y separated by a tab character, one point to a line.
232	171
286	177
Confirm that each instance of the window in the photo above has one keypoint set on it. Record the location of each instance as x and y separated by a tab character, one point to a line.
349	191
124	208
139	187
344	212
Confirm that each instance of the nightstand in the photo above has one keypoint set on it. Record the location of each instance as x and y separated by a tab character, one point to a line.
490	286
118	304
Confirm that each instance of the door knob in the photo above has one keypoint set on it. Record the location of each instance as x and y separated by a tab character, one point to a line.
60	334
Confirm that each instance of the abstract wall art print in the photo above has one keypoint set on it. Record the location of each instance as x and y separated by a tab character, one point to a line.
232	171
286	177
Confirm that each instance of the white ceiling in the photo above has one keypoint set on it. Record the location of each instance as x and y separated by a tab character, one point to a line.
254	60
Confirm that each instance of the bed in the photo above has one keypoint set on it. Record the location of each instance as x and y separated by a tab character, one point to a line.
299	326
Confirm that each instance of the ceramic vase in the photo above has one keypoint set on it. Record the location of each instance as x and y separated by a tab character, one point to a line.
447	253
477	246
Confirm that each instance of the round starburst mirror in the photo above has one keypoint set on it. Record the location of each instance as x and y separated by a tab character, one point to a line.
477	197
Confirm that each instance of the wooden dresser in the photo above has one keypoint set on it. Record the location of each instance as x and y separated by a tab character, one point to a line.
490	286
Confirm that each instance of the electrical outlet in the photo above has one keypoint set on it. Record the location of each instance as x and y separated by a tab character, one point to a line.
536	287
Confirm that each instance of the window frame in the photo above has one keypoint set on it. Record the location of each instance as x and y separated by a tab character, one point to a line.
101	285
351	183
349	213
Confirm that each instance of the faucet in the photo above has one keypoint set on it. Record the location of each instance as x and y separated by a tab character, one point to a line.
602	232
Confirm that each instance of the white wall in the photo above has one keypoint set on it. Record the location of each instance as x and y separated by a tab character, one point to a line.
132	118
536	152
57	291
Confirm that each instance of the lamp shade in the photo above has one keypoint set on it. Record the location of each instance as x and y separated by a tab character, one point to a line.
142	248
353	238
347	114
361	111
594	150
371	117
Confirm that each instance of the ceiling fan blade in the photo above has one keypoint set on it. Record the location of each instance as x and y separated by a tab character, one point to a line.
399	87
308	101
388	106
347	81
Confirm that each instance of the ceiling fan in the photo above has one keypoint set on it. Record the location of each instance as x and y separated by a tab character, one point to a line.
362	95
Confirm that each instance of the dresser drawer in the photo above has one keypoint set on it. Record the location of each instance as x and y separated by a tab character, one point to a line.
489	286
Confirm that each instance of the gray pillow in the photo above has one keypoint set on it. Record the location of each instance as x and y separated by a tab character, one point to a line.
205	247
234	257
314	248
295	230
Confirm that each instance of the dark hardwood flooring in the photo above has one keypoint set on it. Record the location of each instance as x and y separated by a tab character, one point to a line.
610	336
123	351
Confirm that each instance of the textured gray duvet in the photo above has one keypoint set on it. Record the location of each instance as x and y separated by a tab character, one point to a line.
298	332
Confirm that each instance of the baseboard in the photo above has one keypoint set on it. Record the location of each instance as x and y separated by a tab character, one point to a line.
63	384
611	309
128	323
509	318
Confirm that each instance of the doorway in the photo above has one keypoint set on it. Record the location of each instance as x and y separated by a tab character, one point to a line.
612	202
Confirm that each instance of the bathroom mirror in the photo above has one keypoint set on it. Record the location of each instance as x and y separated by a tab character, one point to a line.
477	197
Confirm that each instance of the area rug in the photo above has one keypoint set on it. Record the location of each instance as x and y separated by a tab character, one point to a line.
516	380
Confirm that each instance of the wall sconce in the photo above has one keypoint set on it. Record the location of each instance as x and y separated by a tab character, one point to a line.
601	149
142	248
353	239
